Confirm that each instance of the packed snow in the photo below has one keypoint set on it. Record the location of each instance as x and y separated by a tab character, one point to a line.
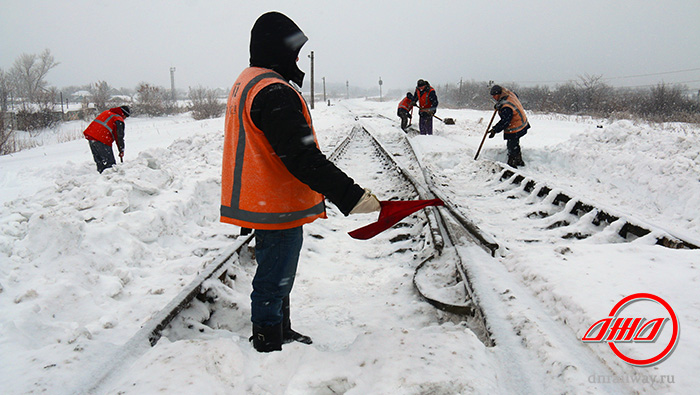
86	259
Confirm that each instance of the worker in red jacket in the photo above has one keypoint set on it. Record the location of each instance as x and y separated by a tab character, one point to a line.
405	110
107	128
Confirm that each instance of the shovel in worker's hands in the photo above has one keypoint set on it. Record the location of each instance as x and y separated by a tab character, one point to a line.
391	213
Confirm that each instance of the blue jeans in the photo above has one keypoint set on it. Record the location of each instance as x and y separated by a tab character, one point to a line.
277	254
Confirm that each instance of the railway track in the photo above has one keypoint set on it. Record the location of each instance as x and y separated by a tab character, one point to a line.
152	331
579	210
424	239
544	213
437	245
559	212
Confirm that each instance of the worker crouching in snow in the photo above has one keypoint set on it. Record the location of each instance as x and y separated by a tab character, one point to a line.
405	110
274	177
513	123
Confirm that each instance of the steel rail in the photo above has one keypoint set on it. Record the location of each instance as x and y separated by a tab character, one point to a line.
630	226
442	237
151	331
99	379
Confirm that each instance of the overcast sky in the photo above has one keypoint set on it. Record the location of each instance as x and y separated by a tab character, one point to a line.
547	42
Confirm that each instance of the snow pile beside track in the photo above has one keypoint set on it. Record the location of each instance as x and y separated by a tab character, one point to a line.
87	260
652	171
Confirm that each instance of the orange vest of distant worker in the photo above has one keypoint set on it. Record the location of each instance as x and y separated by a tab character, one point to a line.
257	190
519	120
406	104
423	101
103	128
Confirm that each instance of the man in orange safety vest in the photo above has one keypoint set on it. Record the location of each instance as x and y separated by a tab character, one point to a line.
274	177
513	123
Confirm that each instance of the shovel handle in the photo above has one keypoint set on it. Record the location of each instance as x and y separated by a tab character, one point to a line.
485	133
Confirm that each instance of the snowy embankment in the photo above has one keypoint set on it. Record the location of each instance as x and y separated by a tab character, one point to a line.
86	258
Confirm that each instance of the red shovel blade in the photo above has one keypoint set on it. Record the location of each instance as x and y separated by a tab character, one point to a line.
391	213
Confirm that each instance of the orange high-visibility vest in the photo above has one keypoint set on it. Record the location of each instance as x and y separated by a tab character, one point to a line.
519	120
103	128
423	102
406	104
257	190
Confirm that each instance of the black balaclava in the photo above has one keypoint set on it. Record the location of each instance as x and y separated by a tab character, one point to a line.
275	42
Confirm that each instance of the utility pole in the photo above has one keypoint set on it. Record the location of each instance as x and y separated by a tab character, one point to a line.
172	83
380	89
324	89
347	89
312	79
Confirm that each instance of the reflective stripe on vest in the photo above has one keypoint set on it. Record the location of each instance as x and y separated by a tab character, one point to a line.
102	129
423	98
519	120
406	104
231	211
105	123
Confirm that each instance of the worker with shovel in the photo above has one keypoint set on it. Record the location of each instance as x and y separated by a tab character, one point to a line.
513	123
405	110
427	104
106	129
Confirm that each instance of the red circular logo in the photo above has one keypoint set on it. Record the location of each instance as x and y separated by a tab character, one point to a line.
674	336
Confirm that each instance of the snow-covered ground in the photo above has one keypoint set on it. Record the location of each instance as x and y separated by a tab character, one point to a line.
86	259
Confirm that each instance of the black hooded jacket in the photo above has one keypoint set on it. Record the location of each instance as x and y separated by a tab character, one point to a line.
276	110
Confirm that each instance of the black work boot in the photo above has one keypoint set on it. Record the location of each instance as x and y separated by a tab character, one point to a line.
288	334
519	159
512	162
267	338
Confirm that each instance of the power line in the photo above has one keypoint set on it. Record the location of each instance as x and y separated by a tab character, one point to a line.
621	77
672	83
652	74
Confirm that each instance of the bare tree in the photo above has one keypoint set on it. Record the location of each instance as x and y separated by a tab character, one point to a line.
28	75
588	96
150	100
205	103
46	100
43	115
4	134
665	100
28	79
5	87
5	127
594	93
100	95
